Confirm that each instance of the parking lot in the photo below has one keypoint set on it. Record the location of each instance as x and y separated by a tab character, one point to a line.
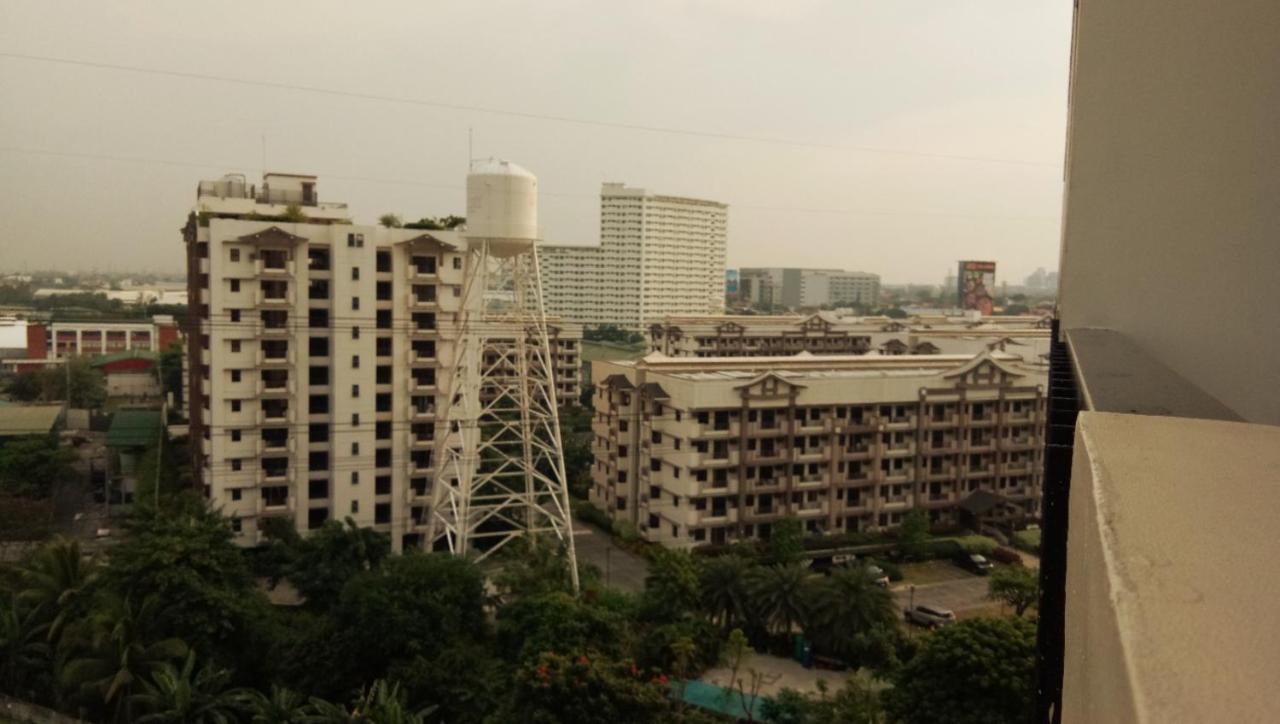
967	594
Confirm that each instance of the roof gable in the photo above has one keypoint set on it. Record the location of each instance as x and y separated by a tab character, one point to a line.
272	235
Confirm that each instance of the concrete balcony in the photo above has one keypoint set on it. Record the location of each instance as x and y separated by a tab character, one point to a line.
278	271
414	387
1168	615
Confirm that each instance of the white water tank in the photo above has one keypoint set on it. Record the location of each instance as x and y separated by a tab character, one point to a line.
502	206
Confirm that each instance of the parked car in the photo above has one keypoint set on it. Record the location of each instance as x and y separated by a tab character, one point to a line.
929	616
974	563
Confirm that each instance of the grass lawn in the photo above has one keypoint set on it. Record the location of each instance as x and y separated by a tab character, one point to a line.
931	572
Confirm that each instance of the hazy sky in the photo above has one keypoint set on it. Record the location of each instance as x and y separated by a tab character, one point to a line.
981	79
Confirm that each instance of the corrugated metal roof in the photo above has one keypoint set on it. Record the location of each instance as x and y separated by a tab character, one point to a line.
28	419
134	428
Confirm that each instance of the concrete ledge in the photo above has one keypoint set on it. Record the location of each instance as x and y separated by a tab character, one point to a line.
1118	375
1172	608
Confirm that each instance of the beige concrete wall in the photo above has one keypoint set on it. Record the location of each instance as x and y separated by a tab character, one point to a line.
1172	213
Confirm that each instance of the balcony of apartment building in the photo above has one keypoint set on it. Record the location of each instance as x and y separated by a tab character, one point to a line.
421	463
423	297
273	412
274	324
274	264
421	381
1158	531
273	353
422	268
274	441
273	294
422	325
319	264
942	417
274	383
422	407
422	353
717	424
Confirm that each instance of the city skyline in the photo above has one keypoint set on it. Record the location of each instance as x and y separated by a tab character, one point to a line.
900	165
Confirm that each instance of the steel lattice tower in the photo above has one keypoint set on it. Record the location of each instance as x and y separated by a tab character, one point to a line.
501	473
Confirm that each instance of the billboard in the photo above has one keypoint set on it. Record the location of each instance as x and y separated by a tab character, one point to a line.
731	281
977	284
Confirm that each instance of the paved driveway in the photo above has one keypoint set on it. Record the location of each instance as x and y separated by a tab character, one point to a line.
619	567
958	595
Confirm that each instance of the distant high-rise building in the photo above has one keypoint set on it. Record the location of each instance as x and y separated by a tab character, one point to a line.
771	287
1040	280
658	255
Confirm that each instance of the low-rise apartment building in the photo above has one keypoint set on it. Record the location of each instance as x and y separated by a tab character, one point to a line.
829	333
699	451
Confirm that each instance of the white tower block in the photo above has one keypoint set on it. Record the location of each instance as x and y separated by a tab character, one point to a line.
502	461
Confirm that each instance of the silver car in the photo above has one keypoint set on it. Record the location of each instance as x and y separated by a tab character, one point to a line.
929	616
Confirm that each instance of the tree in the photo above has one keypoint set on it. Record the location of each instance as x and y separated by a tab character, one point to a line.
59	581
181	556
25	387
725	597
437	223
391	221
88	386
169	370
1016	586
280	706
854	703
31	466
535	567
850	615
913	533
743	679
783	595
322	563
558	688
293	213
23	651
416	604
786	541
186	695
979	671
558	622
118	655
671	589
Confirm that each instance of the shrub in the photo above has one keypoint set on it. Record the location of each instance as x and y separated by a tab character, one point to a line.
1027	540
1004	555
589	513
891	569
977	544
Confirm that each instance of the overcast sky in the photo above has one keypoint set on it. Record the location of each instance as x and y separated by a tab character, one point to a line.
922	81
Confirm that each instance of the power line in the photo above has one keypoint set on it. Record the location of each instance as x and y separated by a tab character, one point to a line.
405	100
554	194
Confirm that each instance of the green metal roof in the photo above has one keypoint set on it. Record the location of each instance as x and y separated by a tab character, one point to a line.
106	359
28	419
134	428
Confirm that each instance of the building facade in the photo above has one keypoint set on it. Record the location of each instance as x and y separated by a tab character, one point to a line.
319	354
792	288
826	333
658	255
708	451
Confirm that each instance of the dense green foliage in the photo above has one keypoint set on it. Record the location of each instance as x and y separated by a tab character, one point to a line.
1017	586
31	466
88	386
171	624
975	672
611	333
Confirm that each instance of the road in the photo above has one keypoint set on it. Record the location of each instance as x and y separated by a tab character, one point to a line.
619	567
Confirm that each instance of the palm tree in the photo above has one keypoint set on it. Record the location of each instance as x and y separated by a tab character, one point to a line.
281	706
187	695
725	597
118	657
60	579
379	704
23	651
849	605
782	594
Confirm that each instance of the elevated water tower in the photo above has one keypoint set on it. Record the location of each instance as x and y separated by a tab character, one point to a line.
501	474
